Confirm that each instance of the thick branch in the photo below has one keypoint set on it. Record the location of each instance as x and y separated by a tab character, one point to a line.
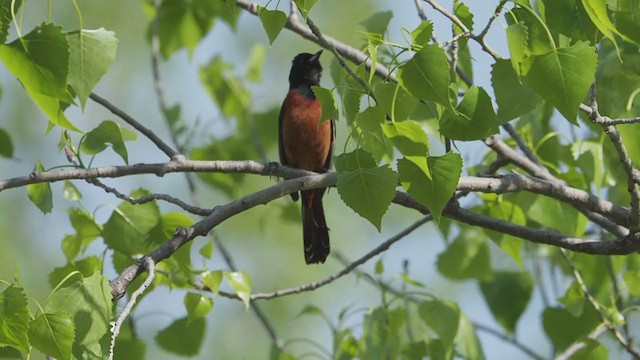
217	216
516	182
621	246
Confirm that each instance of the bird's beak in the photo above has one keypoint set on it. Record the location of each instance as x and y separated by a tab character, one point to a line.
315	57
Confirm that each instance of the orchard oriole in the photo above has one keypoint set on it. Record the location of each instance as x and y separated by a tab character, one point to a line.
305	143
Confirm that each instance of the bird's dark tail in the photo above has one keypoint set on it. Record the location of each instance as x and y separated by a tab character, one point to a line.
314	227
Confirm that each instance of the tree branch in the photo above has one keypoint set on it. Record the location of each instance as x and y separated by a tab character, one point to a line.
347	51
601	312
627	164
347	269
622	246
226	255
217	216
172	154
148	265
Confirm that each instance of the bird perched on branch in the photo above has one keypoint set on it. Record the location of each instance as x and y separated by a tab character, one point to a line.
306	143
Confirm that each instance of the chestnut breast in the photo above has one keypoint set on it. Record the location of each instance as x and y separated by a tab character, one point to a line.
306	142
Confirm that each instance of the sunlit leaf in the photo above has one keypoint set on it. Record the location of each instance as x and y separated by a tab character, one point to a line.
14	318
91	55
53	334
40	194
181	337
273	22
240	281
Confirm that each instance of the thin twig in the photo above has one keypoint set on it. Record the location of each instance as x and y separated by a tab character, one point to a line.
149	265
601	312
509	339
226	255
577	346
496	13
480	40
420	11
349	52
316	31
521	144
148	198
172	154
347	269
627	164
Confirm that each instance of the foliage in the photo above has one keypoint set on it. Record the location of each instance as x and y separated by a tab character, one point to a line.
566	95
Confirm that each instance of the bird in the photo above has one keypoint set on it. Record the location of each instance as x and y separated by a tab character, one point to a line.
305	143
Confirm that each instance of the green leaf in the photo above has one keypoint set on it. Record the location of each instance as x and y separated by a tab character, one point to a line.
467	341
426	75
569	18
328	101
432	191
5	17
408	137
40	60
86	267
182	24
108	132
255	63
240	281
573	299
40	194
87	230
513	97
372	138
368	191
305	6
357	159
627	23
129	228
379	333
421	35
14	318
632	280
395	101
473	119
563	329
6	147
556	215
90	304
182	337
467	257
508	294
224	87
212	280
52	334
70	192
511	212
592	350
273	22
517	38
91	53
197	306
378	22
207	250
597	11
464	14
563	76
443	317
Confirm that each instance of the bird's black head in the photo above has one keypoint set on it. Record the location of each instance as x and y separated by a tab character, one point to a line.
305	70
